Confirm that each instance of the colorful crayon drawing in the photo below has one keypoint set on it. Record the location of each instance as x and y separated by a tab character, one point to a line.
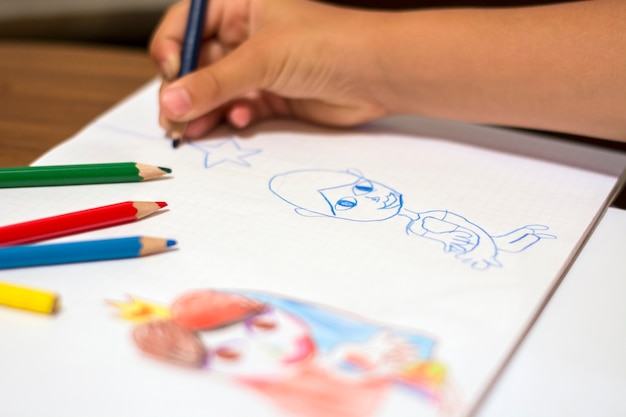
349	195
308	360
223	151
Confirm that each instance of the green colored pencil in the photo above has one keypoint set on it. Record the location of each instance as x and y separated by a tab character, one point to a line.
40	176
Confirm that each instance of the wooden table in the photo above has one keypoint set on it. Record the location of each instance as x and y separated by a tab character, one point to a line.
48	92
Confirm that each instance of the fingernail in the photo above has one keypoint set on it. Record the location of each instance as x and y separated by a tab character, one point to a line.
170	67
240	116
176	101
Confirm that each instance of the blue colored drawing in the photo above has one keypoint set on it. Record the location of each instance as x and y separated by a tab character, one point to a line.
348	195
227	150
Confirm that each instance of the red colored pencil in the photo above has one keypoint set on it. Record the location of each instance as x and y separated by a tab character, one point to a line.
76	222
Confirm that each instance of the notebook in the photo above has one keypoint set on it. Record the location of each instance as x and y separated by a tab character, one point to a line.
385	270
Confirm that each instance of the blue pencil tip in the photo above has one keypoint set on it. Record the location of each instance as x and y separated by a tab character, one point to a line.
171	242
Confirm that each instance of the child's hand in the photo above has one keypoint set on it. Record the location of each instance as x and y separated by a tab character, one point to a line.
265	58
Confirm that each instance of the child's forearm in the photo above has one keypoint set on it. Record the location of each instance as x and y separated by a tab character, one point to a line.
558	67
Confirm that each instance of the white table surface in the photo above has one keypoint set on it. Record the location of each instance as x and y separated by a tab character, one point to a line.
573	361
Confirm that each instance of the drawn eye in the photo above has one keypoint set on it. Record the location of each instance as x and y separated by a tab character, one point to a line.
229	353
263	323
363	187
345	203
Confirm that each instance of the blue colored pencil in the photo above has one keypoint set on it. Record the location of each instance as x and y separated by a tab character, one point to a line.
189	55
193	37
83	251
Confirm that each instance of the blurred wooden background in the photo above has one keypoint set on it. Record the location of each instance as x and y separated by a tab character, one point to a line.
48	92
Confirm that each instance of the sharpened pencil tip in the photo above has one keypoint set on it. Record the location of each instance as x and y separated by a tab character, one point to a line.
177	133
167	170
161	204
170	243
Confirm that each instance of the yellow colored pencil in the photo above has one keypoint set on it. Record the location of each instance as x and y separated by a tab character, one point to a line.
29	299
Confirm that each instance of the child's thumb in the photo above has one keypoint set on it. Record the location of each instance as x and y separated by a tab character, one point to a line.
206	89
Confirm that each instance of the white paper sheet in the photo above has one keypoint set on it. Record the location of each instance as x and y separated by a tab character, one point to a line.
434	243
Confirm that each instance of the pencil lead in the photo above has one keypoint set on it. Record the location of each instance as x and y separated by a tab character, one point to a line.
177	133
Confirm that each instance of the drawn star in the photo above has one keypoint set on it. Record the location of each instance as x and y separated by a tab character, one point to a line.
227	150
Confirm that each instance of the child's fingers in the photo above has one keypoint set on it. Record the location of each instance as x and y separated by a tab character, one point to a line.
240	72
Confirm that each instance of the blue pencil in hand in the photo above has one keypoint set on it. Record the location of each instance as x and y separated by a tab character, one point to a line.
83	251
189	54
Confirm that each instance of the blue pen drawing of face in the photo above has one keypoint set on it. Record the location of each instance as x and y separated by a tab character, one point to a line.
224	151
340	194
349	195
